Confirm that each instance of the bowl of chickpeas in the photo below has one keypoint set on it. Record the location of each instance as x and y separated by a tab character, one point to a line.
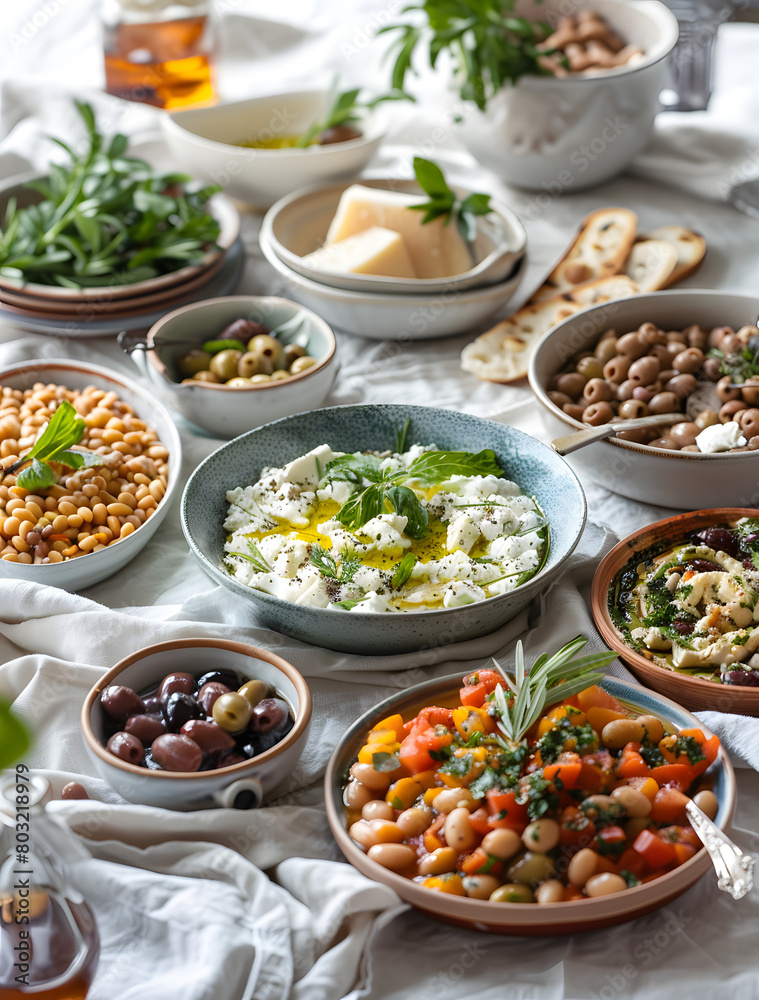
84	524
233	363
688	352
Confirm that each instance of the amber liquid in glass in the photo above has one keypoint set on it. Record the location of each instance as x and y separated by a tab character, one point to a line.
164	63
48	952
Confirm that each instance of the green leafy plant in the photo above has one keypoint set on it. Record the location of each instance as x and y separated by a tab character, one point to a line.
105	219
345	109
551	679
443	202
64	429
327	565
14	736
375	489
489	46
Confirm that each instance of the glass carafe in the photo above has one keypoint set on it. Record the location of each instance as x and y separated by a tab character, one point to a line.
49	943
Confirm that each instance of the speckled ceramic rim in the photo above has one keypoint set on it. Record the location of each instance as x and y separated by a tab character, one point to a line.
49	371
632	545
475	912
304	709
643	449
374	130
366	616
246	302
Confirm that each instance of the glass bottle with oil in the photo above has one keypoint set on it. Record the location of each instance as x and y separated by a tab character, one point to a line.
49	943
159	51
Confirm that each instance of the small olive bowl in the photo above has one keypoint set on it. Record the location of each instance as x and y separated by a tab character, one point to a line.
239	786
522	918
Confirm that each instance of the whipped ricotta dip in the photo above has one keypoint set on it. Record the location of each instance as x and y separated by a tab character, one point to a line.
384	531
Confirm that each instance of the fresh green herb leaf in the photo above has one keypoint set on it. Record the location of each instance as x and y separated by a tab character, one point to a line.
65	428
443	202
437	466
362	507
327	565
403	570
215	346
384	762
347	605
407	504
356	469
254	556
458	767
690	747
344	109
632	880
401	437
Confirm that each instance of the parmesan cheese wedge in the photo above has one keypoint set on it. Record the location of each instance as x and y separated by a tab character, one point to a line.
375	251
436	250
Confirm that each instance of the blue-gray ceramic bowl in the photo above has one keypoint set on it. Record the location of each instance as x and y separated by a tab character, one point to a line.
529	463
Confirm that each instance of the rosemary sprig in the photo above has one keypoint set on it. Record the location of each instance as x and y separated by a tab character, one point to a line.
551	679
255	557
327	565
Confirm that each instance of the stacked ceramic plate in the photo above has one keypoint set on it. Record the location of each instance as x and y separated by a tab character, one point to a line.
105	310
381	307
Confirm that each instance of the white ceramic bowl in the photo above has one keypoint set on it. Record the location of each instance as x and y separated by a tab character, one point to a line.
87	570
205	137
679	479
555	135
240	786
228	411
385	316
298	224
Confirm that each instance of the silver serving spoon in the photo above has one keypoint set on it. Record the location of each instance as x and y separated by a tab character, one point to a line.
579	439
735	869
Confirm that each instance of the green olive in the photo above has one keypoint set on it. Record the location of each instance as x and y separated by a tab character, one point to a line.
192	362
269	348
531	869
238	382
292	352
205	376
232	712
255	691
279	374
224	364
253	363
302	364
513	892
258	379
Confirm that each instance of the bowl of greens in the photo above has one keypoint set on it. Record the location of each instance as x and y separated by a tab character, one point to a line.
104	225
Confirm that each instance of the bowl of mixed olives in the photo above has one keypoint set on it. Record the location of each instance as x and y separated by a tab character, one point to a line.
233	363
197	723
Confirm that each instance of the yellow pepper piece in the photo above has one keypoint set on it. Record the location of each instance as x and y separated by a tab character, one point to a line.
450	883
404	792
366	753
431	794
394	722
382	736
469	720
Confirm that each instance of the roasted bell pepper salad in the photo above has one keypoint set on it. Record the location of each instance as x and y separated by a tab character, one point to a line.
542	788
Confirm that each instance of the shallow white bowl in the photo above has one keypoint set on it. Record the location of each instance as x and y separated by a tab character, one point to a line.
227	411
554	135
240	786
385	316
298	224
89	569
206	137
679	479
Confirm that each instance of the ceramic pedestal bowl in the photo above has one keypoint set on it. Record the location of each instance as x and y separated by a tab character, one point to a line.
532	465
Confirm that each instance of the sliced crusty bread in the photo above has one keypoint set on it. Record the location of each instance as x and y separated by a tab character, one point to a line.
616	286
503	353
599	249
690	246
651	263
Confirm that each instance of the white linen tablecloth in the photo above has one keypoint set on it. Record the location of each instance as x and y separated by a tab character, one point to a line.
238	906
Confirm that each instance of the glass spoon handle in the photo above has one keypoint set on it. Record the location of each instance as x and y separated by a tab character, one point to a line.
735	869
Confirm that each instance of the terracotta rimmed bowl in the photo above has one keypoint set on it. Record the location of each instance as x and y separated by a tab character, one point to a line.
240	786
227	411
692	692
537	470
89	569
220	206
515	918
680	479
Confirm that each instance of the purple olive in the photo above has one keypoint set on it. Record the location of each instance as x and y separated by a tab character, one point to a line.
180	708
229	757
684	628
126	747
176	753
145	727
230	678
153	704
120	702
748	678
209	693
207	735
721	539
184	683
269	714
703	566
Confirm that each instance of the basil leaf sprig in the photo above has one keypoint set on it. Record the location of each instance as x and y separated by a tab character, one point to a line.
551	679
327	565
375	488
488	45
64	429
345	109
443	202
105	219
403	570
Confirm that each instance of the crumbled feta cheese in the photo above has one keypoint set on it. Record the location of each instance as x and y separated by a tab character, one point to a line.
720	437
